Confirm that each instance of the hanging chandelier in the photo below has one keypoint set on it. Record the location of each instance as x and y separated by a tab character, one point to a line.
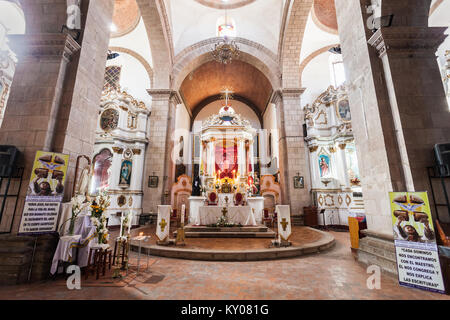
225	51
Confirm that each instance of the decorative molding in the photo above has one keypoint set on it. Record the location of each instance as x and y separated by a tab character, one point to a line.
136	151
51	45
165	94
117	150
313	149
407	41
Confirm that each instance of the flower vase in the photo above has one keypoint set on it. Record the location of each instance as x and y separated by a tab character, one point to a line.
100	238
71	226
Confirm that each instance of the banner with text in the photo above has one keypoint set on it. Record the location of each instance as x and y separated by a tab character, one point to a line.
415	241
45	193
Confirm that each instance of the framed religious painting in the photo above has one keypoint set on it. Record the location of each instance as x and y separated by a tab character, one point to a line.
153	181
109	120
343	111
299	182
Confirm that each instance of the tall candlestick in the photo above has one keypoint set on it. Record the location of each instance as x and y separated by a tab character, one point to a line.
183	210
130	219
121	226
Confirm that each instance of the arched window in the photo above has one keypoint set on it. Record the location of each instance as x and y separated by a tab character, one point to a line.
100	179
226	27
337	71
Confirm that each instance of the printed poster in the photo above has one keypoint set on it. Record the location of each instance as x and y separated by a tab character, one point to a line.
45	193
415	241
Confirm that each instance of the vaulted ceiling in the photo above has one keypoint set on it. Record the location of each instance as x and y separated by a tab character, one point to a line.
126	17
205	83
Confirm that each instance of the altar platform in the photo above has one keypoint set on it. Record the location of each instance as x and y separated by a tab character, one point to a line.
304	240
193	231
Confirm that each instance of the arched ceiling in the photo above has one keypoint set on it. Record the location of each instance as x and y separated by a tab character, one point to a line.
227	4
324	15
210	79
126	17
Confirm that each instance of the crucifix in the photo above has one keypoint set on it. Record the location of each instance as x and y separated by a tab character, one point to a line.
227	95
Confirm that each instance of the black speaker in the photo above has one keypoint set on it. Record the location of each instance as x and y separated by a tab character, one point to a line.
442	154
305	130
8	158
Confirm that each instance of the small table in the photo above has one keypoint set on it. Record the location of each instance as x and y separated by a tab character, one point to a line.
64	251
140	239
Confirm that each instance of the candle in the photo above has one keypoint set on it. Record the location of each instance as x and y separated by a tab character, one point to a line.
141	234
130	220
121	225
183	209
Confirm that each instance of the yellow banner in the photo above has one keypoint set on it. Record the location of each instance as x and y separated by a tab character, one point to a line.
48	175
411	216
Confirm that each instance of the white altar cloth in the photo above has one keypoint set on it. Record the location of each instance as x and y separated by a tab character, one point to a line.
239	215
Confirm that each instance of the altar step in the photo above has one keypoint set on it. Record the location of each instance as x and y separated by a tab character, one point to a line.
234	232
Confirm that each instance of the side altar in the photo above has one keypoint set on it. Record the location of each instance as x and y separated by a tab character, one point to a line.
227	173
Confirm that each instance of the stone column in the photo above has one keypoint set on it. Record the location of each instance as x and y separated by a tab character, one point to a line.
378	156
241	159
397	102
53	105
159	158
293	153
418	102
344	170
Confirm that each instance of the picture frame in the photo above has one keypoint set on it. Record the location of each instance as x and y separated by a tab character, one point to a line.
299	182
153	181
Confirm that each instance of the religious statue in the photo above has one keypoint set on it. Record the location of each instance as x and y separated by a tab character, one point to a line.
324	167
125	173
196	187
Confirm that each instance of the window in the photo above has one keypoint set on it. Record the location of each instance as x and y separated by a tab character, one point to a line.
337	71
102	163
226	27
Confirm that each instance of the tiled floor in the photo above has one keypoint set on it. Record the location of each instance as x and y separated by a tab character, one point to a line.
330	275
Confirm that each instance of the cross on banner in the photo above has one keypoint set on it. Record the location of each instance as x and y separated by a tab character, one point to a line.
163	224
284	223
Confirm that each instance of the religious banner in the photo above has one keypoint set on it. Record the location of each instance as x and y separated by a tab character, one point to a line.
163	224
284	222
226	159
415	242
45	193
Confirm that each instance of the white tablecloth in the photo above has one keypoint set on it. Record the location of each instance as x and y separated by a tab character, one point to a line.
239	215
84	231
65	250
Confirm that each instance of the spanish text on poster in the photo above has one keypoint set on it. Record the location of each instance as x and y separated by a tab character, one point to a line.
415	241
45	193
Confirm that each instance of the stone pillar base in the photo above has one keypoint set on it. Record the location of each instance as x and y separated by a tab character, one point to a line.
378	249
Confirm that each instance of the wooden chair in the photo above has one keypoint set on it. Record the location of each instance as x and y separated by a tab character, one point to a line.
274	219
267	218
212	199
174	218
238	199
99	257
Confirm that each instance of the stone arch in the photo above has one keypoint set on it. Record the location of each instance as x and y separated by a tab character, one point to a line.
140	58
251	52
310	57
158	31
292	41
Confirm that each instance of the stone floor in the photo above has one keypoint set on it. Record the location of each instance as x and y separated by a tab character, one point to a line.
330	275
300	236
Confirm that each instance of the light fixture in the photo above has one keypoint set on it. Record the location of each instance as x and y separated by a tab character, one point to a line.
225	50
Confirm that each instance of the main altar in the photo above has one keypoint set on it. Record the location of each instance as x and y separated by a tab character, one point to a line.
227	172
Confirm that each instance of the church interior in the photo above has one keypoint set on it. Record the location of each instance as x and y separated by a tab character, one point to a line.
301	146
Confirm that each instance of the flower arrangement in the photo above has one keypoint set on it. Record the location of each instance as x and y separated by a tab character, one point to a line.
99	216
79	203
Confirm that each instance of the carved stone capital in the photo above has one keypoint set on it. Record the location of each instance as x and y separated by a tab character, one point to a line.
46	45
407	41
165	94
